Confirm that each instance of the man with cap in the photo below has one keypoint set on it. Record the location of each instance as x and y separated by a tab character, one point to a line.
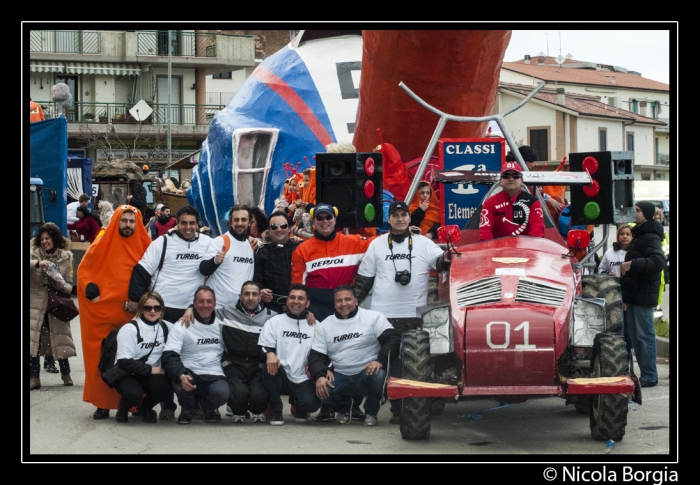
553	195
163	222
396	267
512	211
640	279
324	262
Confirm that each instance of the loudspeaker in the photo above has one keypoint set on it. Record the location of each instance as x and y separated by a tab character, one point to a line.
609	199
351	182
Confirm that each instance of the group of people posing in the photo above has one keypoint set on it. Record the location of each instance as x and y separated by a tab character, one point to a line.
244	327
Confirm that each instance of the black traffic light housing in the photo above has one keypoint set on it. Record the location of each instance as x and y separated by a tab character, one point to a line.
351	182
609	199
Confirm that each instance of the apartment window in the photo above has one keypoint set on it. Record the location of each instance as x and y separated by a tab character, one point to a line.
634	106
538	141
646	176
643	108
654	109
630	143
222	75
612	101
602	139
660	176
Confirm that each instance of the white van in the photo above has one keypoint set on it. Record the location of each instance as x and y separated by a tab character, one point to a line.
656	191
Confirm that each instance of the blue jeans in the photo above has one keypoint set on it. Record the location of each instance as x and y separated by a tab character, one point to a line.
211	393
639	322
340	396
303	394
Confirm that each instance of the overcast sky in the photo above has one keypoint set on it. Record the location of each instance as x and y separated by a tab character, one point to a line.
644	51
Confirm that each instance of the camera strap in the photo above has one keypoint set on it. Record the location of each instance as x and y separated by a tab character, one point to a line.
410	248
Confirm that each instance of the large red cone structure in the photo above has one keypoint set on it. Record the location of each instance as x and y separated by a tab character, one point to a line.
456	71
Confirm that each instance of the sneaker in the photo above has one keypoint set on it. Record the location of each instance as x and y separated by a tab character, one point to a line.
166	414
212	416
148	415
300	417
258	418
643	383
395	418
277	419
237	418
100	414
371	420
185	417
343	418
324	416
228	411
358	415
50	367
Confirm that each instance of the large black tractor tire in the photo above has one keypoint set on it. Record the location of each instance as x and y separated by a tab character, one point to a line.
605	286
417	366
609	411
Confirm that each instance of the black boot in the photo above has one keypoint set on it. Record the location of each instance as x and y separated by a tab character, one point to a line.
50	365
122	414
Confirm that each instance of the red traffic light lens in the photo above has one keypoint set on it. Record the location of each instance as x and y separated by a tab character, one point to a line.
590	165
369	166
369	189
592	190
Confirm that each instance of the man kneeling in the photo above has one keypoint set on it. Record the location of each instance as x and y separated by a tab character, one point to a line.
192	359
286	341
357	343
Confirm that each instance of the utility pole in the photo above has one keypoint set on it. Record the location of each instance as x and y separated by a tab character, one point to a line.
170	86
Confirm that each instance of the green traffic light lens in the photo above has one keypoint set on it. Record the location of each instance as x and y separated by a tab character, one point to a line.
591	210
369	212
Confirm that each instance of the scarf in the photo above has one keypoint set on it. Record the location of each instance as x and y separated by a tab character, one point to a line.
54	257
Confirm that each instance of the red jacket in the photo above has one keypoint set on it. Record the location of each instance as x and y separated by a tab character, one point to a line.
86	227
503	215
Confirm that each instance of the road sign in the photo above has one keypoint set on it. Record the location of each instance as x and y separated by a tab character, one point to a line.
459	202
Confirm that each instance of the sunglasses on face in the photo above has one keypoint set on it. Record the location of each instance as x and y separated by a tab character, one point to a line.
322	217
153	308
274	227
511	175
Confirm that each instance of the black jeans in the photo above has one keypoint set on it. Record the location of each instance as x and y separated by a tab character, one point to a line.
211	392
246	389
156	388
303	394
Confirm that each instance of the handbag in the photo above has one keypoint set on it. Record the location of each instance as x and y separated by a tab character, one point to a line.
61	306
114	375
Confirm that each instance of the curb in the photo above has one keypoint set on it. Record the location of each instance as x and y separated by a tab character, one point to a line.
662	347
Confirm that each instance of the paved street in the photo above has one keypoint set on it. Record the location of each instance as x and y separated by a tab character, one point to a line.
59	423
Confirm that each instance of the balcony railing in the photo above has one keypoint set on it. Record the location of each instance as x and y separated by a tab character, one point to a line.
118	113
663	159
65	41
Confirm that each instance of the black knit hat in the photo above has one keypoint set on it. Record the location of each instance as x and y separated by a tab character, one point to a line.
648	208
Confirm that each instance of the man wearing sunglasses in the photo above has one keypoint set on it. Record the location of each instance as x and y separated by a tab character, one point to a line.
273	263
512	211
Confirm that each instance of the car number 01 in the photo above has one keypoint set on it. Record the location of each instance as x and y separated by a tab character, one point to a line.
525	327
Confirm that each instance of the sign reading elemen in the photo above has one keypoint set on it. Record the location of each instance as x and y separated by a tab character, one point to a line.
460	201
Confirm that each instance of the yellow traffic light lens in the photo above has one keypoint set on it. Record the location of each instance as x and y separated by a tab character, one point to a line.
591	210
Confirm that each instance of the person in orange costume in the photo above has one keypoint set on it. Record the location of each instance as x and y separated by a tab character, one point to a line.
425	210
103	286
308	190
36	113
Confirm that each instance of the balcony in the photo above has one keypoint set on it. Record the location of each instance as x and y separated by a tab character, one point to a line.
188	48
663	159
118	113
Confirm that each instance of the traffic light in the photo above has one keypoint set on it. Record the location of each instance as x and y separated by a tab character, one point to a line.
609	199
351	182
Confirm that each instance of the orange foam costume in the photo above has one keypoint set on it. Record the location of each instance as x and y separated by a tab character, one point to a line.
107	263
36	113
432	215
308	192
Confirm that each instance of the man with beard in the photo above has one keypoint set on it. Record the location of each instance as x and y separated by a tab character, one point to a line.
103	284
229	261
162	222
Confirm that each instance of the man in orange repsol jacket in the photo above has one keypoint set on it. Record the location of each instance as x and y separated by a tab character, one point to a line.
327	260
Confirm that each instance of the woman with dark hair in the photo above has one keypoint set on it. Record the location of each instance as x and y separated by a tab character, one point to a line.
425	210
51	267
258	223
139	354
88	224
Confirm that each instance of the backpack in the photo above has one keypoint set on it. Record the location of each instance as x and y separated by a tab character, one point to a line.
108	349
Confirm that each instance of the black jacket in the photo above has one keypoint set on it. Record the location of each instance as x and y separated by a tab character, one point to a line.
241	340
640	285
273	270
